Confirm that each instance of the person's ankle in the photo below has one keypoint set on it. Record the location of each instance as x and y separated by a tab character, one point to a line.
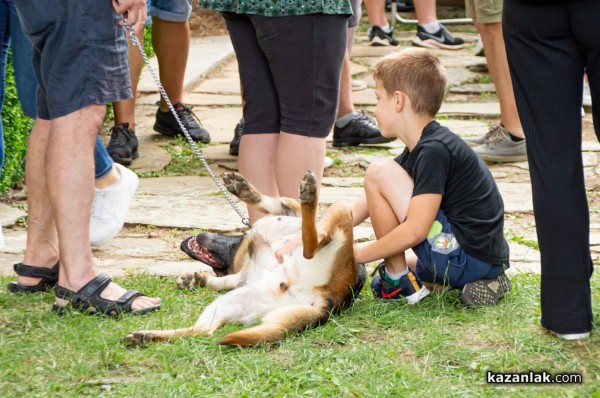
111	178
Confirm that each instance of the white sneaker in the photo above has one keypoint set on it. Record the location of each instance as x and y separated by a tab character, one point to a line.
110	207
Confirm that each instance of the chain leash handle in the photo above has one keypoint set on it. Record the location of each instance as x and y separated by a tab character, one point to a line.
163	93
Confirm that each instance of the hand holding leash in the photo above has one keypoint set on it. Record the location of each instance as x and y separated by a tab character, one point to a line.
134	12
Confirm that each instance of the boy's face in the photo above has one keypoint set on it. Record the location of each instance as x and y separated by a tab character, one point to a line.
385	111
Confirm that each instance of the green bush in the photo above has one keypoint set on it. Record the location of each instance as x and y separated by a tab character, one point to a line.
16	130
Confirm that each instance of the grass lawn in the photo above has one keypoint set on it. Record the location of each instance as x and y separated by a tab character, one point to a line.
436	348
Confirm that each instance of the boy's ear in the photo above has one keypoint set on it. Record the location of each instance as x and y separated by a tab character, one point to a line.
399	101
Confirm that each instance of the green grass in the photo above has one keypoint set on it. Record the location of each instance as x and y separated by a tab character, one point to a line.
374	349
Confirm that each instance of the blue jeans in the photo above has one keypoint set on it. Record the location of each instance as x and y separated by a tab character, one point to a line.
11	35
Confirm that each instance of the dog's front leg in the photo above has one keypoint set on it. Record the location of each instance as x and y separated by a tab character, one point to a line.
227	282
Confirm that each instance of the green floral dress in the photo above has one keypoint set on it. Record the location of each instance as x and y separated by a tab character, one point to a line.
279	8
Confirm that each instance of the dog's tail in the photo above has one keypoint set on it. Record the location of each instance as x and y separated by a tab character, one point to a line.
277	324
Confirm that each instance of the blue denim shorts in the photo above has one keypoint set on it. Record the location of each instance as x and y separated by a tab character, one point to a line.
79	54
170	10
442	260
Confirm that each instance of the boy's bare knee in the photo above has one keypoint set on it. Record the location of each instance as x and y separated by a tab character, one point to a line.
377	171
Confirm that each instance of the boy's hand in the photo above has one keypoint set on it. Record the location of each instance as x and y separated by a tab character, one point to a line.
288	248
134	11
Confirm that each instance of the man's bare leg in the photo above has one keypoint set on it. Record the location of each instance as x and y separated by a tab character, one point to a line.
69	185
171	41
495	53
125	109
42	241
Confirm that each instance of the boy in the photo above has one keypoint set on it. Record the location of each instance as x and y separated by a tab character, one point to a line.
437	197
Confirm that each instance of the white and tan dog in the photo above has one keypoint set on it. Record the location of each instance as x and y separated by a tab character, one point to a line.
317	278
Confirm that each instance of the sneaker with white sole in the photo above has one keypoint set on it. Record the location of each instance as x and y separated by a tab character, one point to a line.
474	141
571	336
441	39
500	147
407	287
110	206
379	37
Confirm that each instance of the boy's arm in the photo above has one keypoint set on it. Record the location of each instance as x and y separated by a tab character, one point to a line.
421	214
360	211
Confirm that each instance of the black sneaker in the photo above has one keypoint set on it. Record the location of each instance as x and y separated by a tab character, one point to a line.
123	144
166	124
234	145
407	286
485	291
440	39
360	130
378	37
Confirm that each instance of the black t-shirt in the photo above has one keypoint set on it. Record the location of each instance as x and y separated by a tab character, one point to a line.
441	163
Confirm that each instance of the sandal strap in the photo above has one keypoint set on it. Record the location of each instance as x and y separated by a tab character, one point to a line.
81	298
36	272
128	297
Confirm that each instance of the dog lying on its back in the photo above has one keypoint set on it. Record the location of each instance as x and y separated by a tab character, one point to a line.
317	279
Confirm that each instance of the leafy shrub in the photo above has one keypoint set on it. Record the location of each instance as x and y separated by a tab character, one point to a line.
16	130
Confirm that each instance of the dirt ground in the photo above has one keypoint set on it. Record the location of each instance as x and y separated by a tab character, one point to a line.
206	23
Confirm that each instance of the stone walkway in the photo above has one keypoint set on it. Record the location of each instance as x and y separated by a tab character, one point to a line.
166	209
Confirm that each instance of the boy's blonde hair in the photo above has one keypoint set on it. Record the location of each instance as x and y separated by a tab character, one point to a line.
417	73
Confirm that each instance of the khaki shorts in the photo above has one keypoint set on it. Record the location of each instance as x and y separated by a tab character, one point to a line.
485	11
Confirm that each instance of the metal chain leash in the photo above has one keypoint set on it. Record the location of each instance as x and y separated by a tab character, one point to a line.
136	43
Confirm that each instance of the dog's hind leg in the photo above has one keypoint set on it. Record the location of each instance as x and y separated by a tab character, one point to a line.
240	187
308	203
276	325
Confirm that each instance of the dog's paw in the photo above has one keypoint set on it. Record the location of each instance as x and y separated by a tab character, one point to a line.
308	188
187	281
139	338
237	185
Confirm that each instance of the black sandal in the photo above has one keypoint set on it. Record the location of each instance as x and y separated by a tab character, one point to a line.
49	278
89	297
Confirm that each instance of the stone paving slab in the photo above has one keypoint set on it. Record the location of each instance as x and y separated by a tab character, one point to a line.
206	53
9	215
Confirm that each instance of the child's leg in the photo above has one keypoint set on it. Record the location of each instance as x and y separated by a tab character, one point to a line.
389	189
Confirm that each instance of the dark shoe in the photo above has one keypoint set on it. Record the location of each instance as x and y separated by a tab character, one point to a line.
215	250
234	145
378	37
49	278
361	277
360	130
440	39
123	144
166	124
485	291
88	297
401	5
407	286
